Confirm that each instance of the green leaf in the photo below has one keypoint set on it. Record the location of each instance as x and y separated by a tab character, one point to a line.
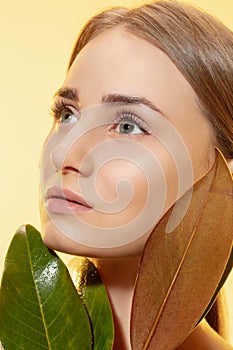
89	285
39	306
181	271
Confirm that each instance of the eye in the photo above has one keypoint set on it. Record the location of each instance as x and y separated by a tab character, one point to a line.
67	116
128	128
130	124
64	113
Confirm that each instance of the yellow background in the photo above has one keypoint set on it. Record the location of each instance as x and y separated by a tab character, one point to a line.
36	37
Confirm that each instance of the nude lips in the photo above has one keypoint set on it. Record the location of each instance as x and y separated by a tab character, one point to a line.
64	201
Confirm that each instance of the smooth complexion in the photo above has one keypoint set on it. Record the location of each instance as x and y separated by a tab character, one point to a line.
116	62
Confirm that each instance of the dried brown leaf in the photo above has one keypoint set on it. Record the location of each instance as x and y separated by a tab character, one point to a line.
181	270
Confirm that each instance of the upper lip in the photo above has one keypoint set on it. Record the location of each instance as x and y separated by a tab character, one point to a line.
66	194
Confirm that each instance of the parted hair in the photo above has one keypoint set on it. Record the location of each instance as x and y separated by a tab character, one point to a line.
201	47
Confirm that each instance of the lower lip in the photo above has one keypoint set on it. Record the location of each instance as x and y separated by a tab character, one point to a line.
61	206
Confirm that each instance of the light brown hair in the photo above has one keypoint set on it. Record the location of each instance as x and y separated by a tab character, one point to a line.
198	44
200	47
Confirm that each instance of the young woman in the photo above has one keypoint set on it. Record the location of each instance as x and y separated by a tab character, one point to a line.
147	90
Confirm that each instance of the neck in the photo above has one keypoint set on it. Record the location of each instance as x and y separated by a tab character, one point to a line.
119	277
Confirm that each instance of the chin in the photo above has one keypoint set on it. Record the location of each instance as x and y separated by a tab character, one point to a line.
55	240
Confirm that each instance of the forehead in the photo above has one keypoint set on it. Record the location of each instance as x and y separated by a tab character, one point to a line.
118	62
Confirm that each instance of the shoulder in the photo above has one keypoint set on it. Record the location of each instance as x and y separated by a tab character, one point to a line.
205	338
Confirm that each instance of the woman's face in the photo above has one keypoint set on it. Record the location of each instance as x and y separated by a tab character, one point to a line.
119	73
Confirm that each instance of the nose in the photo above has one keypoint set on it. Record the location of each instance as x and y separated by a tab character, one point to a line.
71	151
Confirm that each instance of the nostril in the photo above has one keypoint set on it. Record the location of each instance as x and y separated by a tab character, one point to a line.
73	158
68	169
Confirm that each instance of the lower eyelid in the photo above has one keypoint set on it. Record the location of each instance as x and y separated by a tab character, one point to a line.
112	128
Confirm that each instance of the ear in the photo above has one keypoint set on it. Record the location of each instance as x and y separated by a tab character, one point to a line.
230	163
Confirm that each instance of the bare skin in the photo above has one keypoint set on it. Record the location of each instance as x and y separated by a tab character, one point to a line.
119	278
153	76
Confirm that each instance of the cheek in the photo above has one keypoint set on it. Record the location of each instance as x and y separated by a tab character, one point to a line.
122	187
119	177
138	180
198	137
169	168
126	181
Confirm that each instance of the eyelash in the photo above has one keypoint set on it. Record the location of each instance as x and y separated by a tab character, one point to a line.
130	116
124	115
57	108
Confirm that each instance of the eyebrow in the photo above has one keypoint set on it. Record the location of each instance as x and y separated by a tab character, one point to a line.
68	93
127	99
72	94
